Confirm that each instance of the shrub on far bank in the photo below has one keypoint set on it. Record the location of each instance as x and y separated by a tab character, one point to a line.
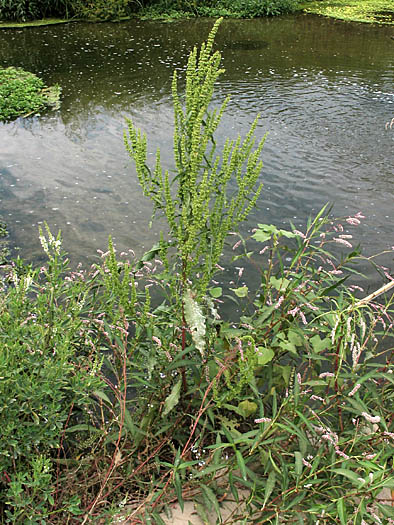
22	11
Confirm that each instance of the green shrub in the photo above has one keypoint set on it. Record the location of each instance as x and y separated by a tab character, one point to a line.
104	9
236	8
22	93
257	8
23	10
45	376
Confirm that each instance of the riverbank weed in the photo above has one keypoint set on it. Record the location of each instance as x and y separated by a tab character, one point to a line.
129	386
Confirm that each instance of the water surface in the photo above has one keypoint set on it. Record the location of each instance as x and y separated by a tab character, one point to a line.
323	88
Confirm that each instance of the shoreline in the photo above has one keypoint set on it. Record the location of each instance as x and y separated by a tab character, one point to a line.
378	12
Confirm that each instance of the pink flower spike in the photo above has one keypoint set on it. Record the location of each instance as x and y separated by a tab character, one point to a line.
356	387
280	301
300	234
157	341
371	419
353	221
343	241
263	420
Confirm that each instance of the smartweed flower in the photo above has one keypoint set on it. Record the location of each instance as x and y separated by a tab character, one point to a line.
371	419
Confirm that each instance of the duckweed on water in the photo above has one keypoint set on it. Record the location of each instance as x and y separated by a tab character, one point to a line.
371	11
22	94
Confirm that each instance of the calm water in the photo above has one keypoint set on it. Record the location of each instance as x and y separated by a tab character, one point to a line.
324	90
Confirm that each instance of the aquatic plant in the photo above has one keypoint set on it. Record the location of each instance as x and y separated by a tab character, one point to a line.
22	94
370	11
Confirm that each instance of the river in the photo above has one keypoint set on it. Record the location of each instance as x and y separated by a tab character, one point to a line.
323	88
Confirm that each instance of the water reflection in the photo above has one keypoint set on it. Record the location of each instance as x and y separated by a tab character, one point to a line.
323	89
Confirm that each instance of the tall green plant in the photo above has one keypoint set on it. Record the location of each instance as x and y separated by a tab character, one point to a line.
195	199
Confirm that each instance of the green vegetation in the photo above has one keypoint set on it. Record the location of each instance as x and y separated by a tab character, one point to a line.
22	93
22	11
371	11
126	384
171	9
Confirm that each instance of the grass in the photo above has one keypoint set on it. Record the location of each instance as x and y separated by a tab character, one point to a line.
368	11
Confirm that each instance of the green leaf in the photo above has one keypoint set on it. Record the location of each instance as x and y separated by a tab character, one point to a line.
240	292
347	474
286	373
178	490
247	408
212	498
386	510
216	292
341	508
265	355
298	462
102	396
279	284
269	486
264	232
202	513
241	464
329	289
195	320
173	399
289	347
318	344
295	338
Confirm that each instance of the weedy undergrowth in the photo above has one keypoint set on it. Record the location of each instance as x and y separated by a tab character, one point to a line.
159	397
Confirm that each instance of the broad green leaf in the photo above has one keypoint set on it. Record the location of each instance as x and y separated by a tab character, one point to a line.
216	292
295	338
318	344
290	347
173	399
265	355
279	284
241	292
286	373
265	232
247	408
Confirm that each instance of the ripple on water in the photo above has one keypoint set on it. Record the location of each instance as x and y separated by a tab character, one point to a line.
324	92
